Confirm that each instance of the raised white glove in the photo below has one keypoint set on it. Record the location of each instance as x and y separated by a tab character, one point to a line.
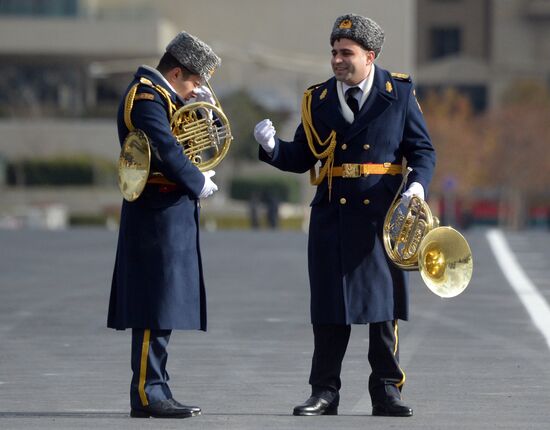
264	133
209	186
203	94
415	189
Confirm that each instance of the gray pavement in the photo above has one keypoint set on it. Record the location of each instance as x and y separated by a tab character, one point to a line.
472	362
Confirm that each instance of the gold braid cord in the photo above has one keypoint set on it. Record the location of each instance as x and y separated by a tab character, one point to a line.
128	105
329	142
129	101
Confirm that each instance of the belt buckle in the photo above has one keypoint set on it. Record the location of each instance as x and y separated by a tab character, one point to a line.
351	170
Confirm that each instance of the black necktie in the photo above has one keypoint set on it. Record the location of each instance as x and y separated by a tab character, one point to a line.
351	100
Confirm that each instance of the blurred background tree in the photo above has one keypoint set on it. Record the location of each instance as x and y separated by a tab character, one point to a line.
505	149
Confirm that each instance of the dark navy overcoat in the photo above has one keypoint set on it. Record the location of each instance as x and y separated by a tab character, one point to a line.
157	280
351	278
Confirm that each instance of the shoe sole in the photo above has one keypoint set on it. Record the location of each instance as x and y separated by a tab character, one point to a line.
143	414
329	411
384	413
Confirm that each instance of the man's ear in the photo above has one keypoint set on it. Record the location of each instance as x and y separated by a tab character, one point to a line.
170	75
370	57
176	72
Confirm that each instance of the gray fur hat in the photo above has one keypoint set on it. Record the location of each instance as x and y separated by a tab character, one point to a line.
360	29
194	54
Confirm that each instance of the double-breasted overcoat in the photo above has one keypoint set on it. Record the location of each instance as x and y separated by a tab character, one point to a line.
157	281
351	279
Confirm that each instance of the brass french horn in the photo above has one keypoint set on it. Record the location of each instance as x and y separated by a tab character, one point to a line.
413	240
201	128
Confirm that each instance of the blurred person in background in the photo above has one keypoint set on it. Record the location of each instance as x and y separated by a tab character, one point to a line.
158	282
360	124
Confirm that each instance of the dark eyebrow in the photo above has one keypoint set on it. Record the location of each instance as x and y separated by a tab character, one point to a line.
343	51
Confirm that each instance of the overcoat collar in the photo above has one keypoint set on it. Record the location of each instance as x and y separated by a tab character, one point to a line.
327	108
156	79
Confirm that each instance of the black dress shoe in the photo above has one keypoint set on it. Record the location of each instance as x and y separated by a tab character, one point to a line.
169	408
391	407
317	406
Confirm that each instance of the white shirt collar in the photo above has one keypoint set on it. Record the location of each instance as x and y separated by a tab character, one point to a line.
365	85
156	72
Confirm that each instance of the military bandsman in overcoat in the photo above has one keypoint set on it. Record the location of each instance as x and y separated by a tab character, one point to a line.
360	125
158	282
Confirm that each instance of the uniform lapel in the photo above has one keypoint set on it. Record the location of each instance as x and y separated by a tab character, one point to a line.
382	95
327	109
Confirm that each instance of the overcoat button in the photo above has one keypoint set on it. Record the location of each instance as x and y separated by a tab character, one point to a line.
344	146
343	201
366	201
366	146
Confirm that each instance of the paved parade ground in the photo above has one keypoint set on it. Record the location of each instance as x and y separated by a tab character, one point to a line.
478	361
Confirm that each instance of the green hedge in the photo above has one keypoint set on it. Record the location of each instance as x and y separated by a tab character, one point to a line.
78	170
280	188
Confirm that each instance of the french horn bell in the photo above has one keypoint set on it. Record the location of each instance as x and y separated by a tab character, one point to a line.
413	240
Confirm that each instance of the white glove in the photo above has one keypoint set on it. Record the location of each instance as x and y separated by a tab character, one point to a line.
209	186
264	133
415	189
203	94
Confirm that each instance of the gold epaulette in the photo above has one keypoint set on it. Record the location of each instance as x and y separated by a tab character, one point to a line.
132	96
401	76
315	86
146	81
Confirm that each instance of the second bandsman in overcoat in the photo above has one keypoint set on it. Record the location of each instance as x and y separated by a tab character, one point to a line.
157	283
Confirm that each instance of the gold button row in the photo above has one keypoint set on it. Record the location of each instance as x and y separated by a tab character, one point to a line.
343	201
365	146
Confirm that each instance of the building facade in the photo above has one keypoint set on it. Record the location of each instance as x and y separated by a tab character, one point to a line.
482	47
67	60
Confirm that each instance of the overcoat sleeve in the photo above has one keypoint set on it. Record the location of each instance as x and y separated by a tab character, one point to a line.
416	145
292	156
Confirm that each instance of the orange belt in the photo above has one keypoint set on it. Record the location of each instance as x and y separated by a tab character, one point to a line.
159	180
165	186
355	170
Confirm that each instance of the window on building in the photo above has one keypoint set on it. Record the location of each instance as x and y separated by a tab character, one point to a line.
48	90
39	7
445	41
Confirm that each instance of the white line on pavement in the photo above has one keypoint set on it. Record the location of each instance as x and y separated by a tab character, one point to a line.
527	292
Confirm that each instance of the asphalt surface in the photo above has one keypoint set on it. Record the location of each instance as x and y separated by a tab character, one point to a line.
473	362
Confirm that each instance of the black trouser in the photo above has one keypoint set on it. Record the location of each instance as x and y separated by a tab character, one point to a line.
150	378
331	341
